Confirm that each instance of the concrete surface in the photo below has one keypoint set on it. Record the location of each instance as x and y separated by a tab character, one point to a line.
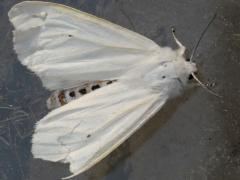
195	137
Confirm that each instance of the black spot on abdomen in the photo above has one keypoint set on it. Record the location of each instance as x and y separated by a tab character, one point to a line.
83	91
109	82
72	94
95	87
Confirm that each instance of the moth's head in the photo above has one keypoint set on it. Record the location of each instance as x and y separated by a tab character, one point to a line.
176	66
184	69
187	70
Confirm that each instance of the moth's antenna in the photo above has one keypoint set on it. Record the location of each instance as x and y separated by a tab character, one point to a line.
180	45
205	86
193	53
201	36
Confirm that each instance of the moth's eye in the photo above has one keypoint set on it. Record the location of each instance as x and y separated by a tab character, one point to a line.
188	59
190	77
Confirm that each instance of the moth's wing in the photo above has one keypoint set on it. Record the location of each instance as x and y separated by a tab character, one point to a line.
66	47
86	130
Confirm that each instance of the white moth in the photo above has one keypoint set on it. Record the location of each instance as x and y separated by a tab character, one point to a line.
107	81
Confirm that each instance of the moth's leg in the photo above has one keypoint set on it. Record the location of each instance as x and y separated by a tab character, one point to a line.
182	48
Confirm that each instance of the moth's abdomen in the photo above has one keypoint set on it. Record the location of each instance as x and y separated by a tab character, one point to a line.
61	97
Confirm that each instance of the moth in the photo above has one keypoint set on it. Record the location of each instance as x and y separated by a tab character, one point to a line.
106	81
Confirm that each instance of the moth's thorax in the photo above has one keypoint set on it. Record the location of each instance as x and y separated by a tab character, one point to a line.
170	76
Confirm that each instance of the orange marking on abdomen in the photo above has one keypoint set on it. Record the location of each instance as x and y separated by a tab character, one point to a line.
61	98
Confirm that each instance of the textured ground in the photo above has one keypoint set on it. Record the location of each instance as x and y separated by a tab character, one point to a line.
195	137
